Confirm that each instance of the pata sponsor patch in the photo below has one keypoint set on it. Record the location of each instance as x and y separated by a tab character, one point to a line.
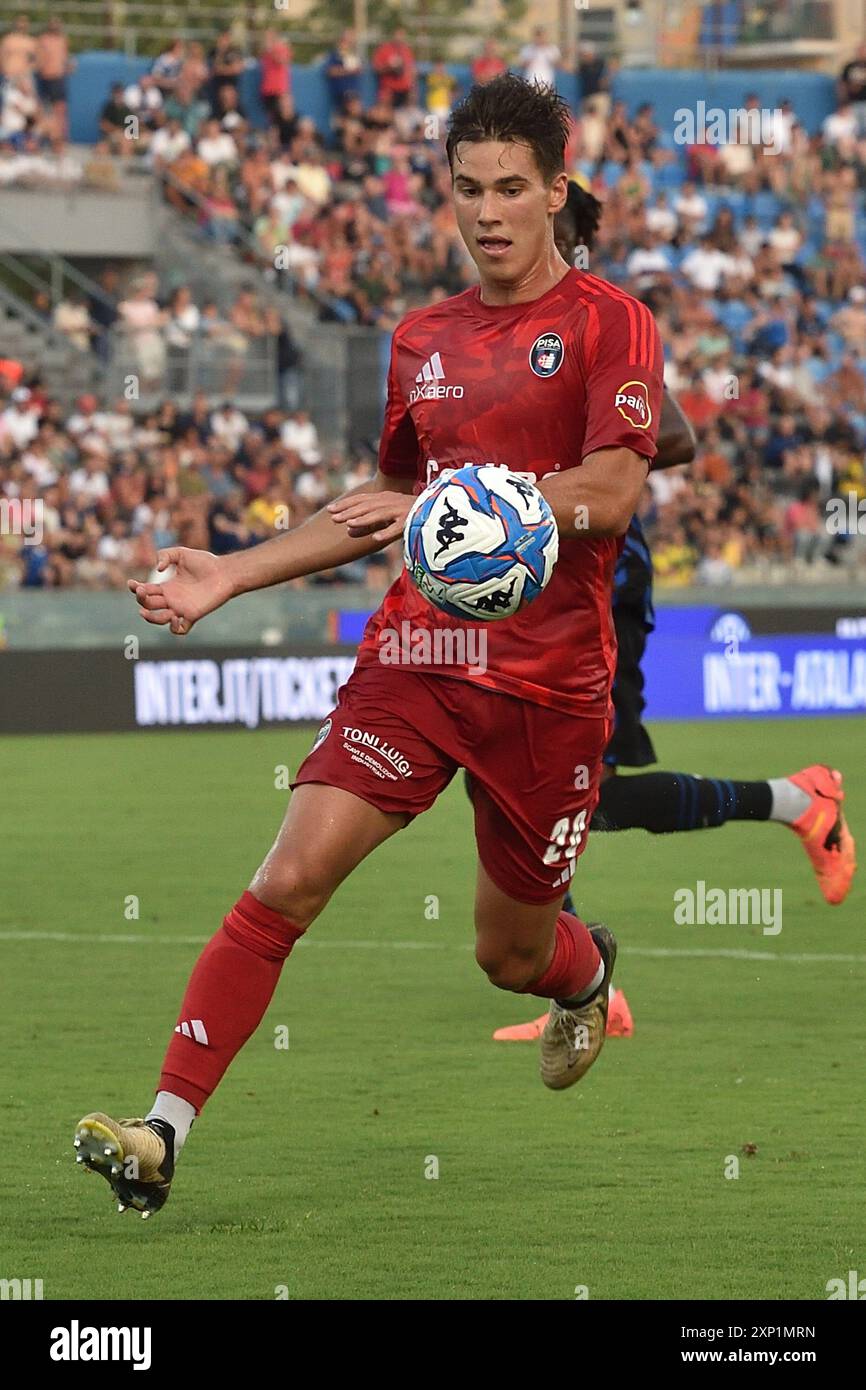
632	402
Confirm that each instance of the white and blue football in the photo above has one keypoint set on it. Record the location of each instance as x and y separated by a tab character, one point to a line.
480	543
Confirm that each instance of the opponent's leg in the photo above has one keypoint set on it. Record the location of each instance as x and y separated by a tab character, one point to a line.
664	802
810	802
325	834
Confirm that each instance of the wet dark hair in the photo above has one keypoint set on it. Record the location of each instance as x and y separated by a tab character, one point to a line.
578	221
510	108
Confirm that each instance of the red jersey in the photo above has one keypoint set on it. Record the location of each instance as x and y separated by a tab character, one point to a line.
275	70
534	387
391	77
485	69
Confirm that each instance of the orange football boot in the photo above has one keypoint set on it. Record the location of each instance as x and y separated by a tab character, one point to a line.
620	1023
824	832
521	1032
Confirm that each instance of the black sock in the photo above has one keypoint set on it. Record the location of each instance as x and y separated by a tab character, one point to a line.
664	802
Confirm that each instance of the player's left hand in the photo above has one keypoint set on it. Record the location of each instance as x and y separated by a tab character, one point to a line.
381	515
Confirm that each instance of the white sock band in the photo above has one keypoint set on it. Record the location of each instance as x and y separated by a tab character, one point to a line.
594	983
175	1111
789	801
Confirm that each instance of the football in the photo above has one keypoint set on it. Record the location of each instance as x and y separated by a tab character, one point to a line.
480	543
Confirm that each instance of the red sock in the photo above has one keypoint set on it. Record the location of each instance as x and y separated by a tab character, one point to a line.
575	962
228	992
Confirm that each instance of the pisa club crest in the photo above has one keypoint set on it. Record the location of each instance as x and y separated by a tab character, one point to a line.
546	354
632	402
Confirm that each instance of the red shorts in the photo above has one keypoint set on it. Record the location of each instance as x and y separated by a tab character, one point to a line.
397	737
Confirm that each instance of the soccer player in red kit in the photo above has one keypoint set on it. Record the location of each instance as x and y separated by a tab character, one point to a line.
555	375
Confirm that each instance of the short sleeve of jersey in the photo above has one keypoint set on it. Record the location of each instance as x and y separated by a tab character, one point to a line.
398	445
624	366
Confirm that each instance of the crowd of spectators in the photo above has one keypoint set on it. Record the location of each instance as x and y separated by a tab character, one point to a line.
750	252
149	331
113	488
356	215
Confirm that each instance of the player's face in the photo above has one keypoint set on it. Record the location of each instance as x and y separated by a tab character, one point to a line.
505	210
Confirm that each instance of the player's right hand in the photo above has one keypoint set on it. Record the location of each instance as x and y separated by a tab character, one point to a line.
197	586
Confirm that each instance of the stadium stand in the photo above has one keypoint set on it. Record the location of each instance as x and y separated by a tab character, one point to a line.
313	187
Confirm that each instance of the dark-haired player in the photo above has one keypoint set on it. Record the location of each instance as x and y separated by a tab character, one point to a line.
662	802
556	375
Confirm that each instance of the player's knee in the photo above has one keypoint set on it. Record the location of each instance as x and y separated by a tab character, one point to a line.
507	969
293	888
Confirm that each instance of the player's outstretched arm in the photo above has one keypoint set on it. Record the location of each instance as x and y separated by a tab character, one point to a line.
676	442
600	497
365	520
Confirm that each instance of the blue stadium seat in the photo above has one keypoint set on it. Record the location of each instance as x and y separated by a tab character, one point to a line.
765	207
815	210
819	370
734	314
670	178
736	200
617	273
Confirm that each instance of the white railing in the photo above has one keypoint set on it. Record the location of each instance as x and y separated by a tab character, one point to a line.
145	367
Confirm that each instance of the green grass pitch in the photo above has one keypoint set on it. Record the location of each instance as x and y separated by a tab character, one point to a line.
305	1176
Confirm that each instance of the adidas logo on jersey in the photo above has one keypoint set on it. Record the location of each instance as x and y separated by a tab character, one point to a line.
429	383
194	1029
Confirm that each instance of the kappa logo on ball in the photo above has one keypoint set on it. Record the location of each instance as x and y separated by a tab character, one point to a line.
546	354
632	402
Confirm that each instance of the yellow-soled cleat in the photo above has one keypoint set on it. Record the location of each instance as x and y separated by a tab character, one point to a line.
136	1157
